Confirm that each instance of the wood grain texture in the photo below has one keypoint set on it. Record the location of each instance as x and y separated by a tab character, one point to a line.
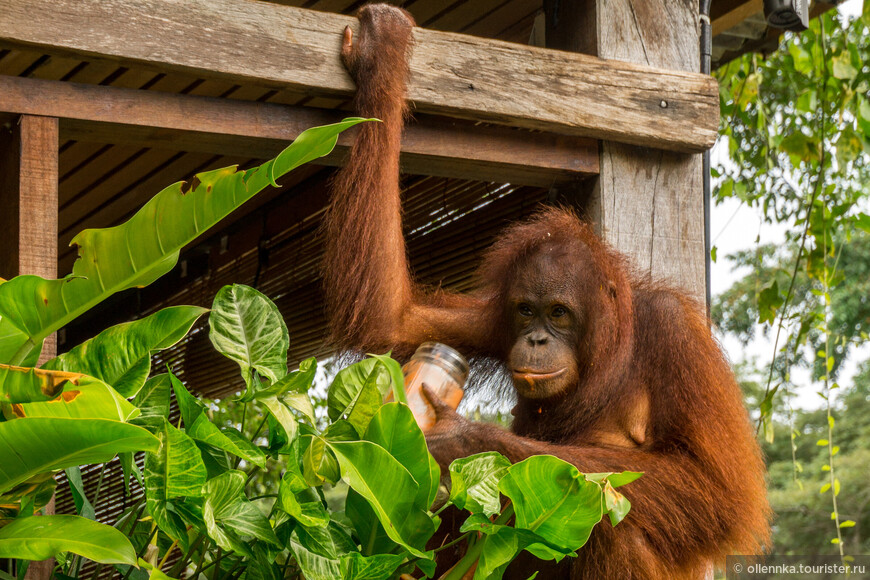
252	42
646	202
28	195
431	146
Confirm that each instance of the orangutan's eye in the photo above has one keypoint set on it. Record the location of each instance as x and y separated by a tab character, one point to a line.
524	310
559	311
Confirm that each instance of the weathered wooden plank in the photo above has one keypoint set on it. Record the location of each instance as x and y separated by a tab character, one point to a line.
462	76
28	195
431	146
646	203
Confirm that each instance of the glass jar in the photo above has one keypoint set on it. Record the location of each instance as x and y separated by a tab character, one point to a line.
440	368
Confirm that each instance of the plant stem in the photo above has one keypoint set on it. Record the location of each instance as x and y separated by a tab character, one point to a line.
467	561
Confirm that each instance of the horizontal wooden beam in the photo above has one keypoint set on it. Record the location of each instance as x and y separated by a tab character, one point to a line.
431	146
251	42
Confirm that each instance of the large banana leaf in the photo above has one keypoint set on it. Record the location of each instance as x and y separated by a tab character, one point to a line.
121	355
38	444
88	398
141	250
43	537
25	384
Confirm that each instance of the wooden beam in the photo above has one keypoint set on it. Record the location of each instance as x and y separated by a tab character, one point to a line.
431	146
647	204
262	43
736	14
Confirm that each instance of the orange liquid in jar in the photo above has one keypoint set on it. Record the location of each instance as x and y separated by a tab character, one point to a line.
443	375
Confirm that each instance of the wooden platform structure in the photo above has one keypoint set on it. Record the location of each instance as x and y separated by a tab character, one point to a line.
516	103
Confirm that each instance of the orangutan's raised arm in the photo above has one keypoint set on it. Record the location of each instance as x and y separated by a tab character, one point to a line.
371	298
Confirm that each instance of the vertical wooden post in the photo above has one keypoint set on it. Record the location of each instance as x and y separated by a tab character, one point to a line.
645	202
28	198
28	223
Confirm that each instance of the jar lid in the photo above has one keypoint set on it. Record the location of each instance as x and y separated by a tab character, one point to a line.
445	355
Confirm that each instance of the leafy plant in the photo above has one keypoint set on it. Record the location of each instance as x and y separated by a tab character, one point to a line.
74	410
359	496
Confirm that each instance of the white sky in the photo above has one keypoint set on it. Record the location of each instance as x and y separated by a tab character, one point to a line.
735	227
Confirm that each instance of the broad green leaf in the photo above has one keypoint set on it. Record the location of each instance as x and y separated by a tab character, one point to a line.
313	565
319	463
283	416
292	392
88	398
230	518
121	355
26	384
553	499
474	482
394	428
153	398
503	543
358	391
373	537
389	489
35	445
355	566
175	470
141	250
330	541
397	377
303	504
198	426
39	489
43	537
246	327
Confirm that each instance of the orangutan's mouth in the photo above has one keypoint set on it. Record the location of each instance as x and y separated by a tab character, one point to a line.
531	376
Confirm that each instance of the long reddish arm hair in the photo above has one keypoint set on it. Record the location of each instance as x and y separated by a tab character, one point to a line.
372	300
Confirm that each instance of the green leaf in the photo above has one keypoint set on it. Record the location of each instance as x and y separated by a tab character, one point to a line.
246	327
843	68
121	355
89	398
153	398
389	489
615	479
83	505
43	537
198	426
35	445
373	537
141	250
153	572
397	377
394	428
474	482
313	566
847	524
230	518
769	301
553	499
176	469
301	502
319	463
330	541
355	566
358	391
26	385
862	222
